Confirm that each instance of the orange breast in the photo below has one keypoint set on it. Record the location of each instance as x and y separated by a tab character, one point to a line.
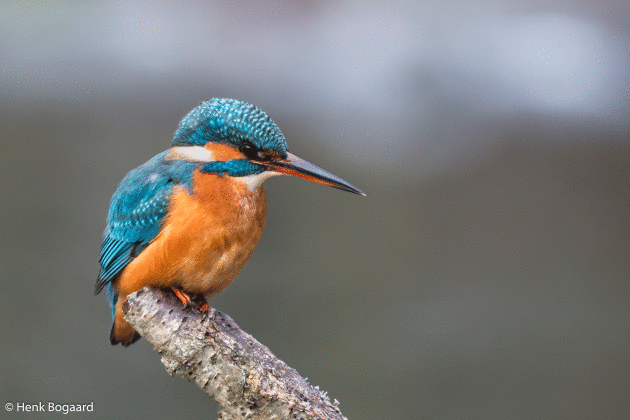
206	239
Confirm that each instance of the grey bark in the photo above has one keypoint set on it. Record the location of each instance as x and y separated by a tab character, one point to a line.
241	374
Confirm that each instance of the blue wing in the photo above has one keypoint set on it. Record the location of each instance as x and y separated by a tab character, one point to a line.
135	215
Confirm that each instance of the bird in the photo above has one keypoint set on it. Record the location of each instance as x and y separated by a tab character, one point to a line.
190	217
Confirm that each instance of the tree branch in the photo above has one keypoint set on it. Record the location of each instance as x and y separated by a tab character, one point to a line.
241	374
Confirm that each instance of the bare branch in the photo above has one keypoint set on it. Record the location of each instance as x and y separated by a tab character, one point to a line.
241	374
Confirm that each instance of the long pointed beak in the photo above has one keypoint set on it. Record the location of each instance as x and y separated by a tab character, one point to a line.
295	166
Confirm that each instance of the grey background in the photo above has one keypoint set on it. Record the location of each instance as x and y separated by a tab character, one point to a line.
485	275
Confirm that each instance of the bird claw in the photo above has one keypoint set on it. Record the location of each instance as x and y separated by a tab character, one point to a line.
197	301
201	303
205	315
183	297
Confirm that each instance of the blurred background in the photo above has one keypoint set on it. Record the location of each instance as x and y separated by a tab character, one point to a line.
486	273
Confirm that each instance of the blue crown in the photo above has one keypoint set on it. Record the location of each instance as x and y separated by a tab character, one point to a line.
230	121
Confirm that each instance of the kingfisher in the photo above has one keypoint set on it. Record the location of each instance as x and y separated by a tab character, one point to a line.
190	218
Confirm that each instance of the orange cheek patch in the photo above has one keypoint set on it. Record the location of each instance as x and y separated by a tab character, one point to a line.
223	152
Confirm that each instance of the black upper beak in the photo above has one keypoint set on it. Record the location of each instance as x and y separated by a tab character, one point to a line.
295	166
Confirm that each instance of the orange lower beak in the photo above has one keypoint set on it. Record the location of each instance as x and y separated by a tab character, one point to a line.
295	166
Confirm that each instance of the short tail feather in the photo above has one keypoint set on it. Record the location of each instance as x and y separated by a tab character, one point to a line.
113	338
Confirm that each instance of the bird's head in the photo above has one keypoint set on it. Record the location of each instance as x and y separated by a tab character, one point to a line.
238	139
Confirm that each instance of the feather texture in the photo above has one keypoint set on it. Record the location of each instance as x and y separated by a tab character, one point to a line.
136	212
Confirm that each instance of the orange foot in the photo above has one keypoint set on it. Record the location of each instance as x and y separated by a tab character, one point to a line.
197	298
182	296
202	302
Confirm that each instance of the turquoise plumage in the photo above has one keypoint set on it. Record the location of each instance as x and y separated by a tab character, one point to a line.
136	212
211	179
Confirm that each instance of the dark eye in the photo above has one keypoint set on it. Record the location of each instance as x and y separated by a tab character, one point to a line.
252	152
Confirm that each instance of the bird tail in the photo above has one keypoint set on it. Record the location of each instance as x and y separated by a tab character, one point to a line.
121	331
123	334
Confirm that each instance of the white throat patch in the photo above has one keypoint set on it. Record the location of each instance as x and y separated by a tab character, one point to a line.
255	181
